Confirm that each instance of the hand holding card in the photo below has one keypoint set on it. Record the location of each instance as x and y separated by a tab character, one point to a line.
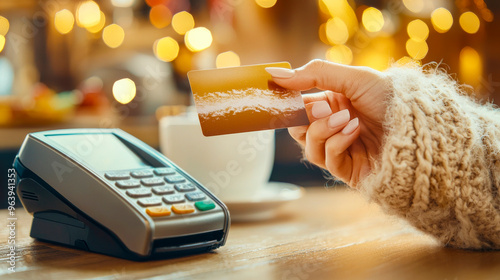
242	99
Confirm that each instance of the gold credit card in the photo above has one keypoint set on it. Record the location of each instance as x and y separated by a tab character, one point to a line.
244	98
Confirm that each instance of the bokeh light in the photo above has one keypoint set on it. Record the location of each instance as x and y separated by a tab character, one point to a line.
153	3
123	3
182	22
184	61
2	42
415	6
88	14
160	16
124	90
378	53
266	3
442	20
322	33
64	21
339	54
98	27
323	8
416	49
471	66
418	30
336	31
343	10
4	26
407	60
113	35
391	23
372	19
166	49
198	39
227	59
469	22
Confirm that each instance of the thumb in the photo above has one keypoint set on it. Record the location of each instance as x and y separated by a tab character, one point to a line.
323	75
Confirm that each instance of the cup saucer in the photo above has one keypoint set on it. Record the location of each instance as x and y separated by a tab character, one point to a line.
265	203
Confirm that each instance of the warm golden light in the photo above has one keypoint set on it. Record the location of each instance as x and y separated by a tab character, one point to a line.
2	42
343	10
323	8
442	20
418	30
166	49
415	6
198	39
227	59
98	27
407	60
416	49
339	54
160	16
265	3
153	3
113	35
336	31
88	14
182	22
471	66
372	19
4	26
322	33
184	61
469	22
64	21
124	90
378	54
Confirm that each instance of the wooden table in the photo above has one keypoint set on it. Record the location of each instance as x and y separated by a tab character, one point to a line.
327	234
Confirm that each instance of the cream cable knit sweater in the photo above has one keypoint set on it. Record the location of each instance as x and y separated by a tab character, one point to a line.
439	166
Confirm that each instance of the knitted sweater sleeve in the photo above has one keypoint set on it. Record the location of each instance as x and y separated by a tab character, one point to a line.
439	166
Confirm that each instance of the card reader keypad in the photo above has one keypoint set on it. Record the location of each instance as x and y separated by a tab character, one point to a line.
161	191
153	182
128	184
187	187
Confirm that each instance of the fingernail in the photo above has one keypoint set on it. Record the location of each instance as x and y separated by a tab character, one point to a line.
338	118
278	72
321	109
351	126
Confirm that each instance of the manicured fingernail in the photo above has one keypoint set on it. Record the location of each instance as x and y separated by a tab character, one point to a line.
321	109
278	72
339	118
351	126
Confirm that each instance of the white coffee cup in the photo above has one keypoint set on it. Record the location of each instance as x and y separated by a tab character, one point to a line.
234	167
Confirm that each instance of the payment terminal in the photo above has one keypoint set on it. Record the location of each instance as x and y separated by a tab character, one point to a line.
104	191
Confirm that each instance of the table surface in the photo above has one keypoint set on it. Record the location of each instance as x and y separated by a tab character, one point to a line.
330	233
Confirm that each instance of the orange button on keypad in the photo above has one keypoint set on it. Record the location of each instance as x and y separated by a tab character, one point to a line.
182	208
158	211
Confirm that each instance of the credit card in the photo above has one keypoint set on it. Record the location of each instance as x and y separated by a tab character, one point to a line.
245	98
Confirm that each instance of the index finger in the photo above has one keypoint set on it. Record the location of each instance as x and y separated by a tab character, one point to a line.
324	75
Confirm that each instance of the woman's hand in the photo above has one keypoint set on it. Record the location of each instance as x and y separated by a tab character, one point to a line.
345	133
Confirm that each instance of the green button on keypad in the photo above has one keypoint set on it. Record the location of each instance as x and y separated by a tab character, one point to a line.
204	205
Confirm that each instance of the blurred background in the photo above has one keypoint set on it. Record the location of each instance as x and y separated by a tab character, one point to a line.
123	63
